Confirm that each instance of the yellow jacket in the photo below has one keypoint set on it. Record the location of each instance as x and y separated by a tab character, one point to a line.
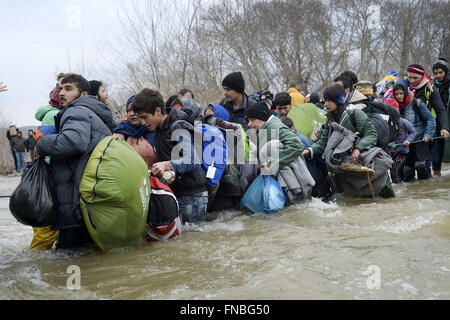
296	96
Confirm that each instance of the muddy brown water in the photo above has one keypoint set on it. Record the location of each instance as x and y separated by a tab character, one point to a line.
350	248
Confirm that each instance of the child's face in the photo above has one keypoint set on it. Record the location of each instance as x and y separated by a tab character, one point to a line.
209	112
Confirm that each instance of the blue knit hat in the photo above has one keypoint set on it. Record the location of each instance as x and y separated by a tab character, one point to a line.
130	100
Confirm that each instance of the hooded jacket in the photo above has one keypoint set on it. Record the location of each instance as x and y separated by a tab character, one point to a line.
367	132
297	97
220	112
193	109
356	98
424	123
444	90
46	114
190	176
292	146
79	128
435	103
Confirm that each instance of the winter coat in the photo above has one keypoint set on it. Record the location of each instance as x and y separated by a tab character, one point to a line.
19	144
274	129
367	132
30	143
140	138
340	145
406	132
193	109
356	98
444	90
238	115
10	137
296	96
294	178
425	125
190	176
80	127
46	114
435	103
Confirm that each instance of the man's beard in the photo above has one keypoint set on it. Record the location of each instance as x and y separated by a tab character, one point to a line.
69	103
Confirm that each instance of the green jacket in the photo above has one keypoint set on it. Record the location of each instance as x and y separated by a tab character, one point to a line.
46	114
18	143
367	132
292	146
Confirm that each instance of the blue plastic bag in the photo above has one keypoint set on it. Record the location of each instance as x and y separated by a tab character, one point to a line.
253	197
273	196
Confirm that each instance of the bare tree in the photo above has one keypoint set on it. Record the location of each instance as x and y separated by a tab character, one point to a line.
194	44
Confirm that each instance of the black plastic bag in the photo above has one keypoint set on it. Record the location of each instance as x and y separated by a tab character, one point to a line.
33	203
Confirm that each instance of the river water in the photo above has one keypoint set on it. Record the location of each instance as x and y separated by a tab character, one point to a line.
348	249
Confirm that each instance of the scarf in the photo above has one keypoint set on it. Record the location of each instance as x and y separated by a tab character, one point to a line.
403	84
54	97
426	80
405	102
126	128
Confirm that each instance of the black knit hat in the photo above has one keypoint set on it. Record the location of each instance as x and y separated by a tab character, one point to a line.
234	81
259	111
94	87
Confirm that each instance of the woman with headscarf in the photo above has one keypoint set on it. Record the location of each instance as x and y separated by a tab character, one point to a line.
136	135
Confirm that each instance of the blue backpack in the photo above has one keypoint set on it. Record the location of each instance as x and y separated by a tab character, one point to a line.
214	151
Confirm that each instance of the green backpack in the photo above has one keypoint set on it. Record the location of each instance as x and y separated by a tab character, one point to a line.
115	194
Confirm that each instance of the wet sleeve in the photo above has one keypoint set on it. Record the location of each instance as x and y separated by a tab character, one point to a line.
368	133
292	147
319	146
410	129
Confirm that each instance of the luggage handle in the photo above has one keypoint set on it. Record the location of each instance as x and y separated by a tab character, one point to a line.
89	212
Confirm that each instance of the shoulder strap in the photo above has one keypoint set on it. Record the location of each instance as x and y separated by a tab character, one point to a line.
352	119
427	96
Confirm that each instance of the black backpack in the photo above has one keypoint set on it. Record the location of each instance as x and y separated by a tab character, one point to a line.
385	118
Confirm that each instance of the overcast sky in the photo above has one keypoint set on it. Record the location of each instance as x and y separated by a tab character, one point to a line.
37	38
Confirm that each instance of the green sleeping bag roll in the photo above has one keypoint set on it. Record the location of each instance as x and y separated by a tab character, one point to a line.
115	194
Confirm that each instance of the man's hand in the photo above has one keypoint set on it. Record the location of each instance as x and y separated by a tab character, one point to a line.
406	143
426	139
3	87
36	155
306	153
265	169
445	133
159	168
355	154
